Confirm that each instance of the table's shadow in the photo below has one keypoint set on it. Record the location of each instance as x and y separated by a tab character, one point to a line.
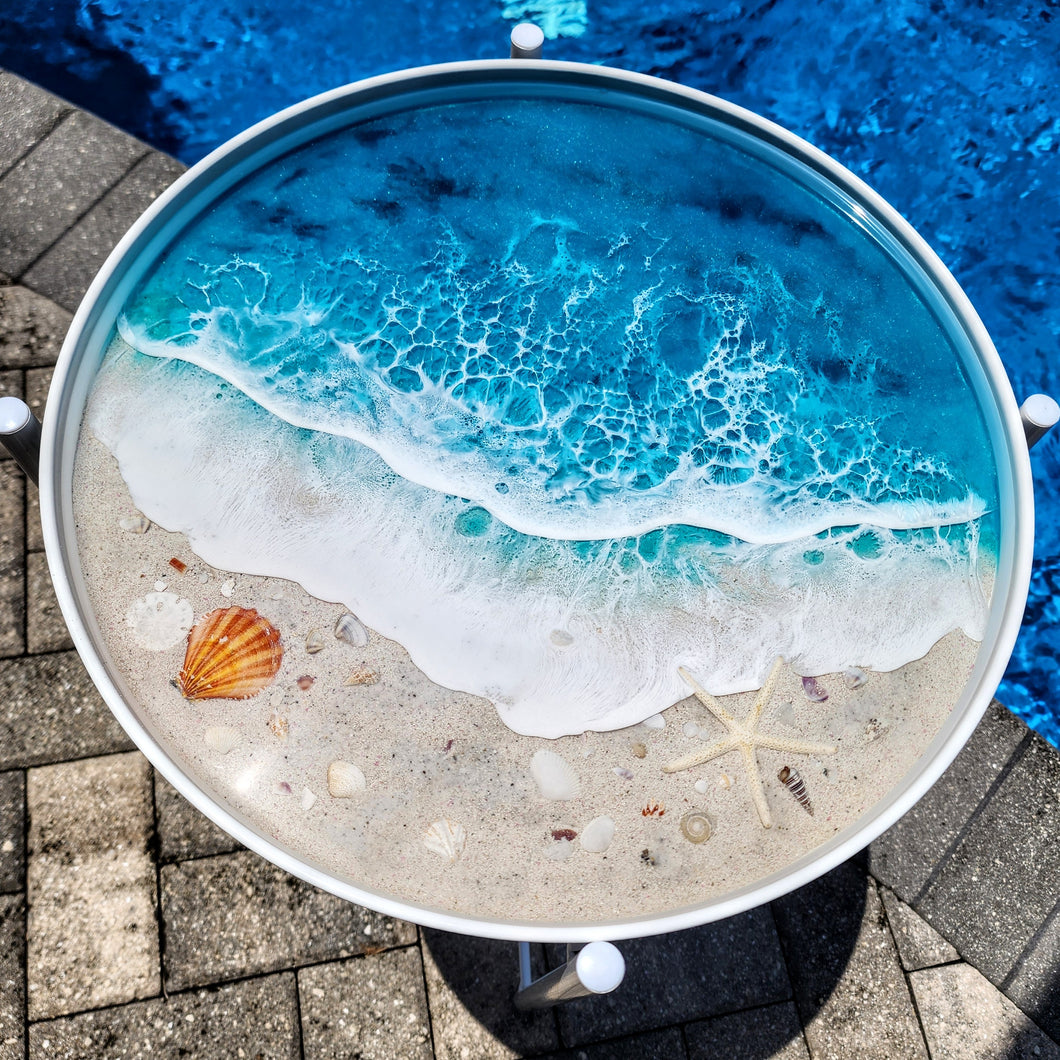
782	960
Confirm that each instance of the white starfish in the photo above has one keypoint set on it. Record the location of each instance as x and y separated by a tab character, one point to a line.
745	736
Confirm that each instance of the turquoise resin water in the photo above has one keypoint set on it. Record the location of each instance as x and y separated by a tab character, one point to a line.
621	399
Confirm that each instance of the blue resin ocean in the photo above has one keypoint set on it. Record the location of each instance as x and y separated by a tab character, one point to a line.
671	457
563	421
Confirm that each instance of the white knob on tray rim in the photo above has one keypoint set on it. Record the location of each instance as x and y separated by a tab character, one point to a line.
527	41
1039	413
601	967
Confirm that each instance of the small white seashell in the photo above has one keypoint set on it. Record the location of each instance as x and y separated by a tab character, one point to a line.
597	835
278	725
621	771
135	524
314	642
701	786
446	838
308	799
555	776
786	714
559	849
690	728
160	620
228	588
349	628
160	586
854	677
204	577
656	721
221	738
725	781
7	847
344	779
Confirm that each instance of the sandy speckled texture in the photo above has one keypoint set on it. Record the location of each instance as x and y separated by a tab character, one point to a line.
429	753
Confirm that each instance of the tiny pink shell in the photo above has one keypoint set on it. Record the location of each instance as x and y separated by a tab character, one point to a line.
813	690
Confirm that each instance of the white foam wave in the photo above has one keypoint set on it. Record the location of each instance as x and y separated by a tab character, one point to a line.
560	636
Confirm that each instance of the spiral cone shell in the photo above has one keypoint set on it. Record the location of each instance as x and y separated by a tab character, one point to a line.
233	653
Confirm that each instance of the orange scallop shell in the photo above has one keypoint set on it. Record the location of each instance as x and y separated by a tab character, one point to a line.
233	653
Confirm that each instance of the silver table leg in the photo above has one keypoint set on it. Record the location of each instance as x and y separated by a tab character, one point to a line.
20	434
596	968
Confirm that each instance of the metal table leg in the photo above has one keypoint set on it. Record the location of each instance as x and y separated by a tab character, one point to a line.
596	968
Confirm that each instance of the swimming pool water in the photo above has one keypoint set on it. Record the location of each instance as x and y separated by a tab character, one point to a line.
952	115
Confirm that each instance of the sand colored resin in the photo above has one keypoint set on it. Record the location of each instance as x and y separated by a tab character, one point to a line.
429	754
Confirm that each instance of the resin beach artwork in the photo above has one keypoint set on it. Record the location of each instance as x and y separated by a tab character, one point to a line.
525	495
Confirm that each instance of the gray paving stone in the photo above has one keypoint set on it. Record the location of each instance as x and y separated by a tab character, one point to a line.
966	1018
374	1008
10	386
772	1032
236	914
27	115
38	382
183	832
1034	982
51	712
12	976
471	984
65	271
995	891
12	561
919	944
907	854
32	328
57	182
45	628
12	831
655	1045
92	937
849	985
253	1019
685	975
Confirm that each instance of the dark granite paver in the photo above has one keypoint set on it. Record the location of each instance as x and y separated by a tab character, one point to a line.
12	831
686	975
60	179
919	944
51	712
471	985
27	115
32	328
906	855
253	1019
1001	882
183	832
12	977
66	270
45	628
236	914
655	1045
754	1034
374	1008
1034	981
849	986
12	562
